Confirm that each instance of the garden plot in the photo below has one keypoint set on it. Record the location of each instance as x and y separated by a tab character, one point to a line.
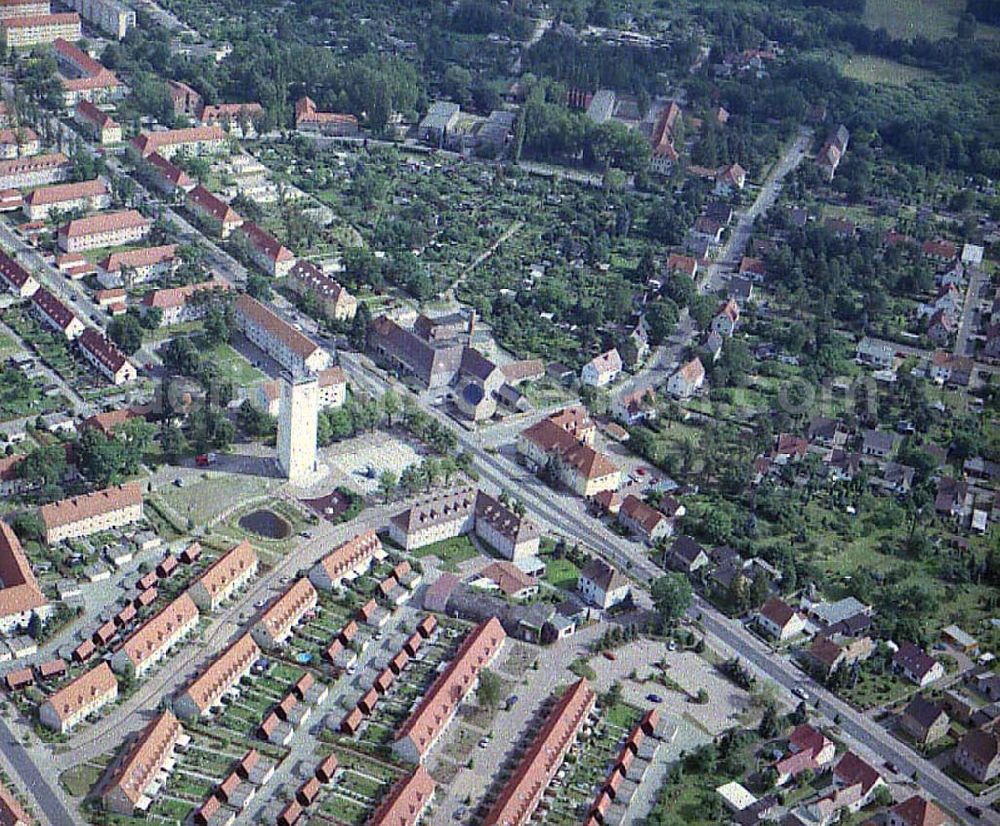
358	789
243	715
586	766
312	637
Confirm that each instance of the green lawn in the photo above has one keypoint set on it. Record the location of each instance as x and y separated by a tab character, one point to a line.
906	19
451	552
232	365
561	573
877	70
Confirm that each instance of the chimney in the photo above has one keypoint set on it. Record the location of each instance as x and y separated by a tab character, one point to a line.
472	325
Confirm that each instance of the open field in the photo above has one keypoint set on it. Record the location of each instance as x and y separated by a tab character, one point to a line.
933	19
877	70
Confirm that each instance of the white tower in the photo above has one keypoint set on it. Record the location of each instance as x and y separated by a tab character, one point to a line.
297	414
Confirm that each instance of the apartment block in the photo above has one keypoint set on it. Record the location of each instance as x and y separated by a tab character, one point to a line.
105	355
151	642
91	513
267	252
85	195
23	8
112	229
97	123
24	32
181	304
265	329
56	315
135	777
196	140
306	278
20	596
332	388
16	278
110	16
224	577
224	673
347	562
278	621
38	170
85	695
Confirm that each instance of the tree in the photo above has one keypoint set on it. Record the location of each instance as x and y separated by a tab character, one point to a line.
172	442
126	332
44	465
259	287
28	526
387	484
672	596
391	405
489	693
359	327
216	328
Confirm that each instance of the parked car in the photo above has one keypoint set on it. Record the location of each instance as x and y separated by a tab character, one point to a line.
654	698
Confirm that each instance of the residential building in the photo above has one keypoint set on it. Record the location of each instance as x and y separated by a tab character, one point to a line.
97	123
56	315
635	407
240	120
12	813
165	176
37	170
575	464
434	518
195	140
924	721
808	750
91	513
521	794
348	561
16	278
110	229
84	196
23	8
309	119
104	354
224	673
332	388
436	363
185	99
832	152
267	251
265	329
407	801
878	443
20	597
642	519
224	577
686	556
110	16
24	32
151	642
18	143
602	370
683	264
100	88
917	811
509	533
779	620
688	380
134	778
508	579
602	585
305	278
221	218
916	665
130	268
978	753
853	771
441	118
834	650
78	699
276	623
726	318
879	354
435	711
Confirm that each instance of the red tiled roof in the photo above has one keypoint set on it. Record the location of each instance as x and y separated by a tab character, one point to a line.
228	568
33	163
20	591
53	308
99	117
521	794
551	438
852	769
11	810
72	53
406	801
139	768
261	240
434	711
170	171
105	222
351	554
156	632
60	19
918	811
68	511
149	142
207	687
212	204
143	257
78	694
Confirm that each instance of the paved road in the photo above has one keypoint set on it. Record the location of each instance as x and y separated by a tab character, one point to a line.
732	251
966	325
33	781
